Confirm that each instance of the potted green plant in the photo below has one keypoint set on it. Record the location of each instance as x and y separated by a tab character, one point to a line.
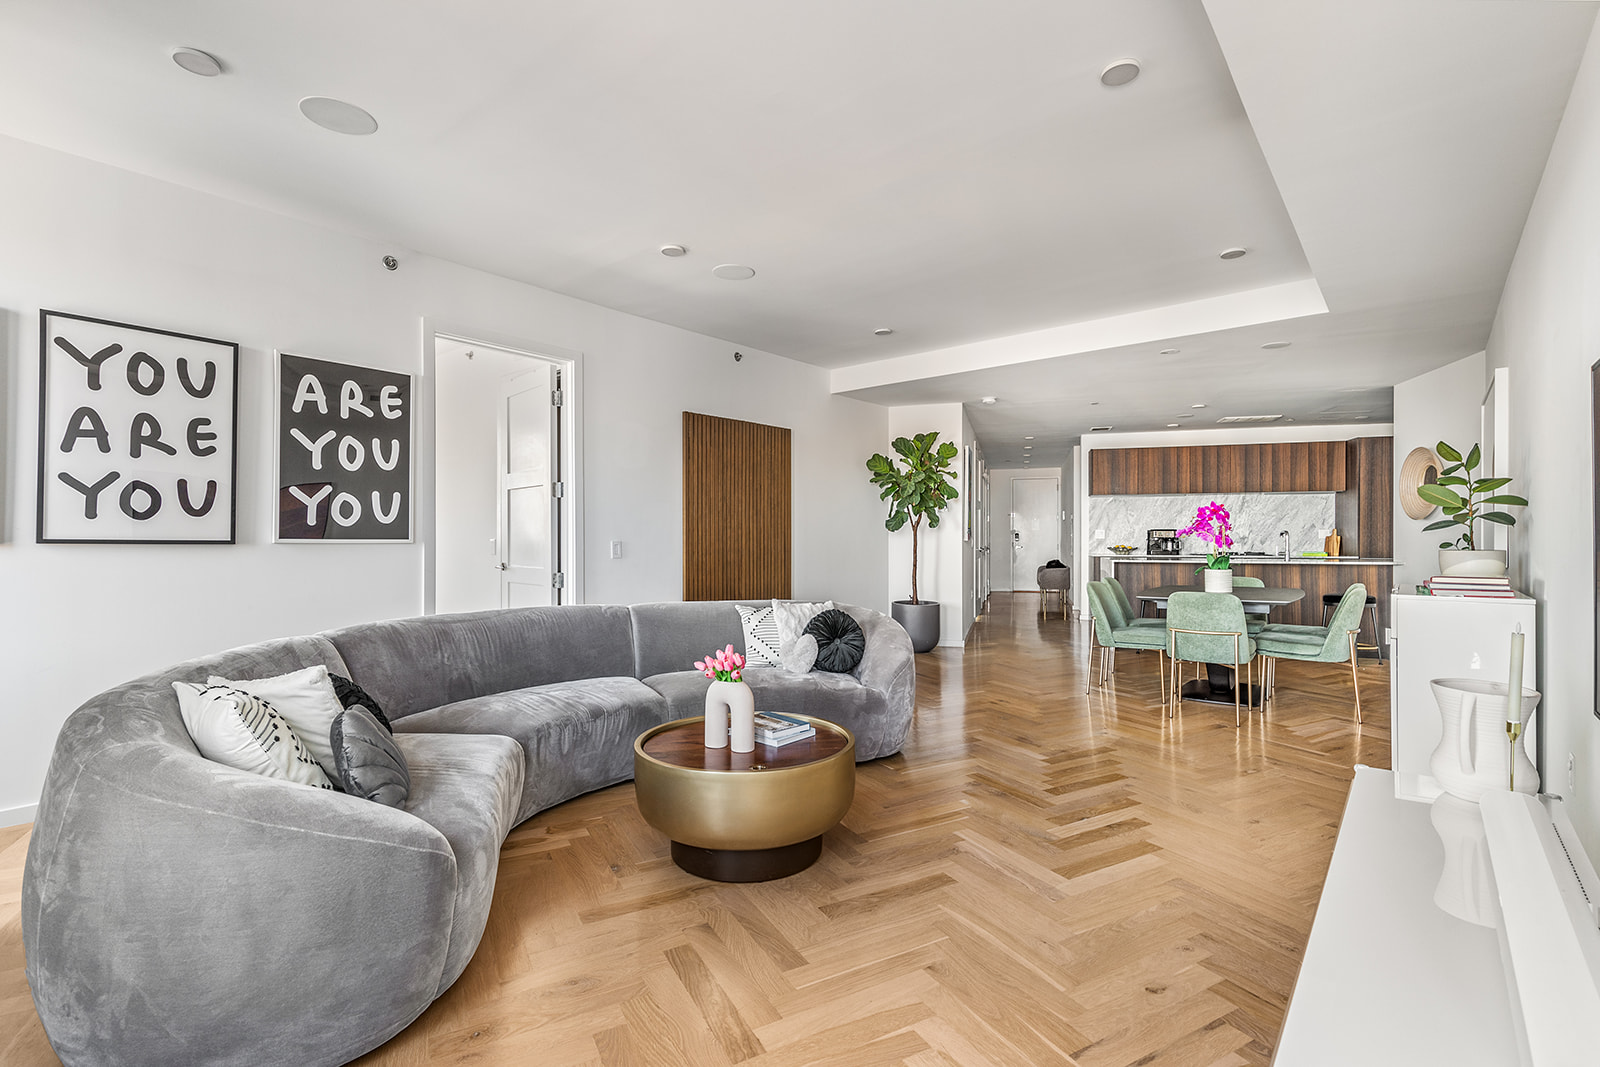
1463	497
919	491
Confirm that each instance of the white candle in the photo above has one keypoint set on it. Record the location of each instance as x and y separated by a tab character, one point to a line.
1514	678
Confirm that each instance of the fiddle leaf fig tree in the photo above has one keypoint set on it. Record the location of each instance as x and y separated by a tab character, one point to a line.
919	491
1463	497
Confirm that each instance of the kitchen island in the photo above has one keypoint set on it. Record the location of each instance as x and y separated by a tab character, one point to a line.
1317	575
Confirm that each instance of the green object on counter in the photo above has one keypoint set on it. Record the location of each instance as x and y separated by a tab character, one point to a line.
1314	555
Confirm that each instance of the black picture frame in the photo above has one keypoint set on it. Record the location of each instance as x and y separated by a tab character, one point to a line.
148	426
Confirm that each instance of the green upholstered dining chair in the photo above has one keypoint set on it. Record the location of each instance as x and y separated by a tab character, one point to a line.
1126	605
1254	620
1333	643
1110	633
1209	628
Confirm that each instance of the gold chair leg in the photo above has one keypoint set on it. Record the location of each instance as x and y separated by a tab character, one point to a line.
1355	682
1088	666
1235	683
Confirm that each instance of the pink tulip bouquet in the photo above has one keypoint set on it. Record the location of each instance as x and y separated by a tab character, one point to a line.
725	665
1213	525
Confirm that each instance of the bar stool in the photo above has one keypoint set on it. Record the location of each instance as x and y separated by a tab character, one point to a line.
1370	611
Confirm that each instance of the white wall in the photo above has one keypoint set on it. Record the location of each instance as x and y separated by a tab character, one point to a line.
1547	333
940	551
91	239
1442	405
1172	438
466	445
1000	522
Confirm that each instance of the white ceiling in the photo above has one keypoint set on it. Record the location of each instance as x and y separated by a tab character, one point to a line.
948	168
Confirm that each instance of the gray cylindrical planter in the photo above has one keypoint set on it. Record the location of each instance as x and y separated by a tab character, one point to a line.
920	620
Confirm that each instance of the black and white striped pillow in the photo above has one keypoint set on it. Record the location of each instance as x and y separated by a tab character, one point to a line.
760	636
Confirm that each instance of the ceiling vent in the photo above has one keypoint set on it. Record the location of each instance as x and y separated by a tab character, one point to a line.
1098	429
1250	418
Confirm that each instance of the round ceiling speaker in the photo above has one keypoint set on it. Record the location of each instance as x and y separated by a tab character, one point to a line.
733	272
1121	72
338	116
197	62
1420	468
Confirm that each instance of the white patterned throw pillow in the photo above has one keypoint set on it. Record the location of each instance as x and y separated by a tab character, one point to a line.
760	636
792	616
240	730
307	702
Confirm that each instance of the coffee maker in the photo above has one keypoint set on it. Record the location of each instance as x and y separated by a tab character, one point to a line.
1161	542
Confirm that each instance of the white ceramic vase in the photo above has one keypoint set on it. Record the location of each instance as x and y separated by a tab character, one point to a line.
1474	755
1219	581
1473	563
730	716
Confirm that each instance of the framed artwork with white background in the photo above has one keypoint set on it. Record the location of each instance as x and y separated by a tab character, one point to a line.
137	434
344	453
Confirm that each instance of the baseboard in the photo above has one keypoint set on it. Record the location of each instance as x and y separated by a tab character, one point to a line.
17	816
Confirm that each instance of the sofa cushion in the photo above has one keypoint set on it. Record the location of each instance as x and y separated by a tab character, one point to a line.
411	665
669	637
760	628
349	693
840	642
838	698
243	731
467	788
578	736
306	700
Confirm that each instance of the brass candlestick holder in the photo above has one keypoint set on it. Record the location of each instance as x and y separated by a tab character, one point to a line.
1513	731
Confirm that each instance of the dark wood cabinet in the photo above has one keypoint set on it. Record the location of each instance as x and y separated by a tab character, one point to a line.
1279	467
1364	512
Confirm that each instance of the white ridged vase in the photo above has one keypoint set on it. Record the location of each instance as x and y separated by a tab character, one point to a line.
1474	754
730	716
1219	581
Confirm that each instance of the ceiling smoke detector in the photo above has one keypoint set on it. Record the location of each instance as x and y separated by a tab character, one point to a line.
1120	72
882	331
1250	418
197	62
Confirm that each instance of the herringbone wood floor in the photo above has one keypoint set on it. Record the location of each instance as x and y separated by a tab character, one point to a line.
1039	877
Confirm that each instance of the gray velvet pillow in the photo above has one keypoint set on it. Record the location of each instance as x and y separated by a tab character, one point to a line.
370	764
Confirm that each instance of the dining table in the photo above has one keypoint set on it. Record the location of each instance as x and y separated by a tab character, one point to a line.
1220	681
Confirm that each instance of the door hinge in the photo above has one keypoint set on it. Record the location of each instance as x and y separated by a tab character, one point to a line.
558	489
555	398
558	580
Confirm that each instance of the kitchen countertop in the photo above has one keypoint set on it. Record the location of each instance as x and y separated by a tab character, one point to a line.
1325	560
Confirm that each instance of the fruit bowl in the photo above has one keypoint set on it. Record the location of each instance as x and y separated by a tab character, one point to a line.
1124	550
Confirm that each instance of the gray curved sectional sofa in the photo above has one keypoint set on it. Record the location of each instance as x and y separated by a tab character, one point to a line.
178	911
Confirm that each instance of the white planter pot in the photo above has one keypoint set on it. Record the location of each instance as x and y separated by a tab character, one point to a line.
1474	755
730	716
1479	563
1219	581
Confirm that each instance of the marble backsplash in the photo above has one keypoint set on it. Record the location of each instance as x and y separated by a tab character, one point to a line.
1257	518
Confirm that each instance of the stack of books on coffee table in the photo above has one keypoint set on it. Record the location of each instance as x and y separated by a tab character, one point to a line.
774	729
1454	585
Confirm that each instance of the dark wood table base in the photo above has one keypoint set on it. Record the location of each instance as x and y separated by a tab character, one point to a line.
1217	688
747	865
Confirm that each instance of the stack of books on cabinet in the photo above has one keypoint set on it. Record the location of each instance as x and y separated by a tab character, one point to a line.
1455	585
774	730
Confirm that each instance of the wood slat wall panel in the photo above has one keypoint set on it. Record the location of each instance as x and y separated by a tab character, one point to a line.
736	509
1285	467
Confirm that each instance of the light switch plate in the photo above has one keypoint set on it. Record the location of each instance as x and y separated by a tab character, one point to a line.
616	550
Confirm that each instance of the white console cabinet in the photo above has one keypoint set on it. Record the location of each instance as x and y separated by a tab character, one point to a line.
1448	637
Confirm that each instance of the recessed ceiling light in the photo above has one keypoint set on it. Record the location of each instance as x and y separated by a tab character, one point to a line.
197	62
1172	426
674	251
1185	415
1094	403
338	116
1170	351
882	331
733	272
1197	405
1120	72
1099	429
1232	253
1270	345
1028	438
986	400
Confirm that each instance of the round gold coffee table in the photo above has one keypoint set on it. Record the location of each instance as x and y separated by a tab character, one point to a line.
744	816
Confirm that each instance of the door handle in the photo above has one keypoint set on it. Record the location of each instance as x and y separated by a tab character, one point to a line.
503	566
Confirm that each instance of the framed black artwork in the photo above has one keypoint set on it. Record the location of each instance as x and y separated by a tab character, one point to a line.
137	438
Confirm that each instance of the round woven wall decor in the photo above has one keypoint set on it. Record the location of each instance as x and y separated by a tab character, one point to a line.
1420	468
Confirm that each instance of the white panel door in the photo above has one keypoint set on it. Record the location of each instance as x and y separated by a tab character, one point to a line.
528	542
1035	528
